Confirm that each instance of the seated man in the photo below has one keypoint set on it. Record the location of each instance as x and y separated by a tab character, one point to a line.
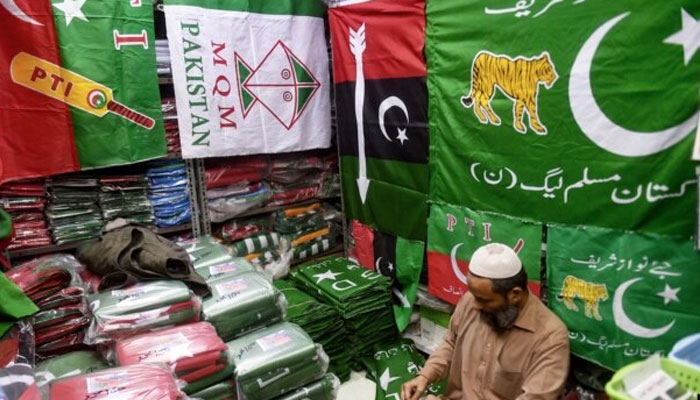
502	343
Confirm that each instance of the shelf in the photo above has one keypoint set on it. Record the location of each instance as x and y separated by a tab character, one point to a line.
36	251
265	210
165	80
334	250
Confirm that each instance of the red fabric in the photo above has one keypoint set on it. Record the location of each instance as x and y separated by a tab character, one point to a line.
28	243
228	171
142	382
64	297
363	236
36	136
66	325
63	344
394	48
32	393
28	188
9	349
202	372
292	196
120	326
38	283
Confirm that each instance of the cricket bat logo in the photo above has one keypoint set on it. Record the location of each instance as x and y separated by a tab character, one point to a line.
76	90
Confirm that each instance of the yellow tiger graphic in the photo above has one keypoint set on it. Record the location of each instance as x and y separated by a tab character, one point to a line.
590	293
518	78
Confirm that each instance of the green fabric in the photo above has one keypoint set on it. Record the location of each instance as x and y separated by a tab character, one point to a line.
219	391
88	48
325	388
313	247
623	295
396	200
275	360
255	244
409	263
5	224
310	220
620	115
393	365
206	382
233	266
310	8
14	305
70	364
241	303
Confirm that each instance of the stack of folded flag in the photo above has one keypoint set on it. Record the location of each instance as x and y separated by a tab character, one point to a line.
231	201
325	388
162	57
172	131
168	193
140	308
125	197
274	361
211	260
362	297
237	229
73	212
194	352
224	390
140	381
241	303
70	364
25	202
312	229
53	284
323	324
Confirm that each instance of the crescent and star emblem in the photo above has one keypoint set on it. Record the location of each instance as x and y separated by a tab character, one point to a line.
624	322
455	266
386	105
14	9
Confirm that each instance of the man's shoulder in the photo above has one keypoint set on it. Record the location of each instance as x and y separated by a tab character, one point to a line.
550	323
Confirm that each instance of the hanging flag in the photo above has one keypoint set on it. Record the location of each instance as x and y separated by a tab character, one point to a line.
381	99
108	70
250	77
36	134
595	129
402	261
362	245
454	234
623	295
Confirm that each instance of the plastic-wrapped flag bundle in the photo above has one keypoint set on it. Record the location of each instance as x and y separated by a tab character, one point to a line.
162	57
140	381
325	388
211	259
276	360
25	202
44	276
70	364
194	352
241	303
224	390
237	229
140	308
73	212
226	203
17	381
312	229
323	324
125	197
168	193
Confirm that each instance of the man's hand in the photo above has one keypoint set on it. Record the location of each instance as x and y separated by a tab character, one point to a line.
413	389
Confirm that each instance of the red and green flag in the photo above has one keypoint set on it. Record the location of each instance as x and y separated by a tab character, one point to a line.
455	232
576	112
381	101
623	295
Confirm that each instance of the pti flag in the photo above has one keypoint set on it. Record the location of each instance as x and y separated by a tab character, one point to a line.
556	111
455	232
623	295
381	99
250	76
109	78
36	134
402	261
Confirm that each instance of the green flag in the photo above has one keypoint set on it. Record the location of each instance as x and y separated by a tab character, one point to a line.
15	304
572	112
111	44
454	233
623	295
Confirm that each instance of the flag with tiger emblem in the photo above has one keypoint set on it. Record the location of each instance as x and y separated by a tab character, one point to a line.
574	112
624	296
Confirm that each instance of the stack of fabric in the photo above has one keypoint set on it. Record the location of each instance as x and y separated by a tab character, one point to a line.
163	57
274	361
211	259
238	229
25	202
168	193
125	197
325	388
323	324
194	352
299	177
140	381
224	390
231	201
312	229
172	131
73	212
70	364
53	284
140	308
241	303
362	297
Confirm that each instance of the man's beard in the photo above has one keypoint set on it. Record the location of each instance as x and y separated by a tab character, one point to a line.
502	319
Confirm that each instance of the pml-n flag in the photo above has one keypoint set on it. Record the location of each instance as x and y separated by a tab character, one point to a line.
558	110
623	296
250	76
381	101
454	234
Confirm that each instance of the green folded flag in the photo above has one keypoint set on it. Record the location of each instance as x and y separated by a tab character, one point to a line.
14	305
70	364
325	388
223	390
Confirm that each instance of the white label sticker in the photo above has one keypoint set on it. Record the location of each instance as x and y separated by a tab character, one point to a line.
273	340
132	293
231	286
171	347
218	270
107	383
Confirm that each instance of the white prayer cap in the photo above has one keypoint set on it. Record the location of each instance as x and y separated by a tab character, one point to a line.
495	261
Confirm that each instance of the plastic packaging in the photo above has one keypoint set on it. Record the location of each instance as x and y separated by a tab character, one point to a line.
255	244
224	208
141	381
140	308
194	352
325	388
275	360
238	229
242	303
221	172
71	364
233	267
44	276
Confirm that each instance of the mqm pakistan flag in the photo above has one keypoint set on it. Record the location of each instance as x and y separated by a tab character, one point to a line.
623	296
108	78
454	234
250	76
578	112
